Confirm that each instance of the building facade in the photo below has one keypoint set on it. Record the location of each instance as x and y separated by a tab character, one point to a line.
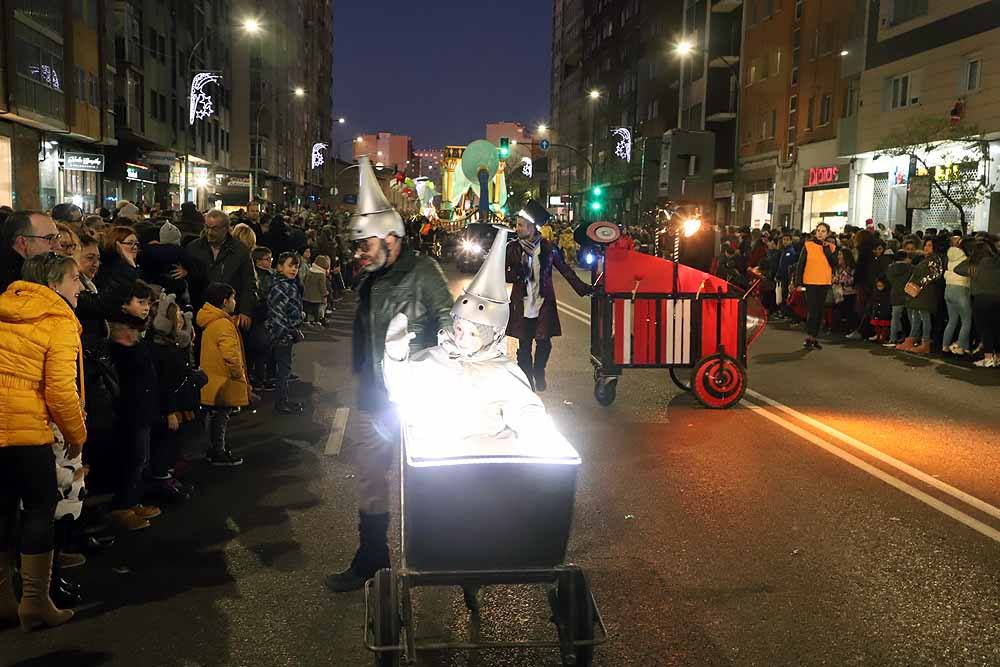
391	150
427	164
96	101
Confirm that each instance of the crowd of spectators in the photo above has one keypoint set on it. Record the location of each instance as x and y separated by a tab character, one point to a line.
127	343
930	291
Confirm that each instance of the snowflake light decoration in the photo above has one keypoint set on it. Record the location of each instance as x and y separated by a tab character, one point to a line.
201	104
624	147
527	167
46	75
317	155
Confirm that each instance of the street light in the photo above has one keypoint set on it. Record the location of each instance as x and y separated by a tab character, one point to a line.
341	120
594	94
542	128
299	91
251	25
683	48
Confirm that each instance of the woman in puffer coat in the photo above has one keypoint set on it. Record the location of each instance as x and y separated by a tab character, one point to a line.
923	293
40	364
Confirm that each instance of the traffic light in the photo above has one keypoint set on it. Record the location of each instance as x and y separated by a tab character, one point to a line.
504	147
596	204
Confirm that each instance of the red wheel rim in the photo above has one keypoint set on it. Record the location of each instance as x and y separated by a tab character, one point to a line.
719	383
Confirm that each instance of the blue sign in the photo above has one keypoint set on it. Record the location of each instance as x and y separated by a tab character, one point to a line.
544	144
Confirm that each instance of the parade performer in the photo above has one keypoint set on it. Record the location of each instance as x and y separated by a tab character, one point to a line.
480	394
534	319
395	281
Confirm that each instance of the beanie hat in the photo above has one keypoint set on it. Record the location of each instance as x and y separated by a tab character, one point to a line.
128	210
162	324
323	261
170	234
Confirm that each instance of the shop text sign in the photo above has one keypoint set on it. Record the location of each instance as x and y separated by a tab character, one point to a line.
823	175
83	161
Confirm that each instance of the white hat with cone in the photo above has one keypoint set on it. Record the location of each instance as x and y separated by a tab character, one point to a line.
375	216
485	300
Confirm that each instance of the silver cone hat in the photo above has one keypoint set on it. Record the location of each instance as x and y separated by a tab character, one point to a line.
485	300
374	216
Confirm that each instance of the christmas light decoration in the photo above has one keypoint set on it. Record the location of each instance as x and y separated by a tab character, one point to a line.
624	147
200	104
527	167
317	154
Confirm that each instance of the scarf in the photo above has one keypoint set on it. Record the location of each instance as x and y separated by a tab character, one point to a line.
529	246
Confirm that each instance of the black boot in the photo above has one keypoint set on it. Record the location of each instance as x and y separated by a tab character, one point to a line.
543	348
372	554
524	362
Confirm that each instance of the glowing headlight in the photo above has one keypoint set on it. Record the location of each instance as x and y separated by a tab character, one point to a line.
589	258
476	249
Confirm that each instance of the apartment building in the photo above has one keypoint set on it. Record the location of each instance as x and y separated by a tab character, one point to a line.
385	148
928	63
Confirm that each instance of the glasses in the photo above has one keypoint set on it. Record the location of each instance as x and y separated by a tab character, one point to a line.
49	238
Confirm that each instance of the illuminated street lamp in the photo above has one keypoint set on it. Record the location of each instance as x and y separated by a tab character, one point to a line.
542	128
251	25
683	48
594	94
299	91
341	120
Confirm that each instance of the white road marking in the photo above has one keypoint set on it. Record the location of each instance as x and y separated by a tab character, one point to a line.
837	451
892	481
336	438
966	498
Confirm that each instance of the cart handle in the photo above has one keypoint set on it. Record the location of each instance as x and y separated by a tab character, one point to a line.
635	290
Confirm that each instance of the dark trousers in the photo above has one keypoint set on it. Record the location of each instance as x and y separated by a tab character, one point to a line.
218	422
164	450
543	349
259	357
283	369
133	447
28	476
845	315
815	303
986	315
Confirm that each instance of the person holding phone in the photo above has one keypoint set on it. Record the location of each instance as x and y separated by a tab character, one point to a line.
815	275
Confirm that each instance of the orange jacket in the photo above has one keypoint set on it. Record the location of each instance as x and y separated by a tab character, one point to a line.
816	262
222	359
41	362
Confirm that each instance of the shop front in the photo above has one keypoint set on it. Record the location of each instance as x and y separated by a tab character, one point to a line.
140	184
758	203
232	190
722	192
81	175
826	197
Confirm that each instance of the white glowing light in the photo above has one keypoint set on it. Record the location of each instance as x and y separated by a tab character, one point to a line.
201	181
527	167
691	226
200	104
77	200
46	75
317	155
624	147
684	48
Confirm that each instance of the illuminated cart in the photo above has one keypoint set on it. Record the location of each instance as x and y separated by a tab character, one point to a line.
649	312
477	514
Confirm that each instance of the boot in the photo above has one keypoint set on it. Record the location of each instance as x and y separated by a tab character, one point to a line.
372	554
908	344
923	348
540	384
36	609
8	601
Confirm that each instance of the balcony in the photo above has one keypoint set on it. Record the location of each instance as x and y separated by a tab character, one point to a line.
725	6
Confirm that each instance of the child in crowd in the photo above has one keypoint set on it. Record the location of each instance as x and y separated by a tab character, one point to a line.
284	317
316	289
880	310
70	476
223	362
260	358
179	386
135	407
898	274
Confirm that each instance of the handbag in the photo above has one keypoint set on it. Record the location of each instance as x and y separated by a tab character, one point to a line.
912	290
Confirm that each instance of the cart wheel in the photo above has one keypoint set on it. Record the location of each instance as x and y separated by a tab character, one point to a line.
679	376
387	624
605	390
719	381
576	607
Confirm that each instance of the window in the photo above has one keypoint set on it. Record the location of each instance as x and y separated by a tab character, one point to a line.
825	110
826	35
793	104
809	113
851	99
153	104
972	74
903	91
774	123
163	108
764	67
904	10
796	42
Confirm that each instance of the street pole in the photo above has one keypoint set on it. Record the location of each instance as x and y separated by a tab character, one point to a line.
255	164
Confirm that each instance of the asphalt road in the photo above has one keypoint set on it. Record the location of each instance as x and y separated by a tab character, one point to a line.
845	514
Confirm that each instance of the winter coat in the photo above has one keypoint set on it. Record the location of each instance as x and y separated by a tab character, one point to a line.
413	285
11	264
985	276
222	359
315	285
548	315
115	275
927	275
789	259
277	238
158	261
265	278
816	264
899	274
955	257
232	266
41	361
177	390
90	310
880	304
138	404
284	310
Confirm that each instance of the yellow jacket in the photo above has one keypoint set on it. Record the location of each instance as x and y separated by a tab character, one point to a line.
41	361
222	359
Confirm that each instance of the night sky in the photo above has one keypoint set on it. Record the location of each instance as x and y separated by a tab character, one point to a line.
416	67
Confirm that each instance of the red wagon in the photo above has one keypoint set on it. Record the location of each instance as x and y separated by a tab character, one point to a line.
649	312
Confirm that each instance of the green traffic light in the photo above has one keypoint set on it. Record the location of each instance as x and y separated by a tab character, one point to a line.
597	190
504	152
596	206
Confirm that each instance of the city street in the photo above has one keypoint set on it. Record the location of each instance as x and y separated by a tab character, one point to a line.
847	513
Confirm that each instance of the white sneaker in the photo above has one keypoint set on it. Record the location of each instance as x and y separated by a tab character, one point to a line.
989	361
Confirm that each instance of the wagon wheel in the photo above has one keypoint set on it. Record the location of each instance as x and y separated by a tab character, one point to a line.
387	623
574	607
681	378
719	381
605	390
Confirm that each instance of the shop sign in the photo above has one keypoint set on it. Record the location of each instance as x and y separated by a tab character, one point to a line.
232	181
823	175
722	190
159	158
83	161
138	172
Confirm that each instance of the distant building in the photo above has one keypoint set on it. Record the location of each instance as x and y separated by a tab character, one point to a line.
392	150
427	162
510	129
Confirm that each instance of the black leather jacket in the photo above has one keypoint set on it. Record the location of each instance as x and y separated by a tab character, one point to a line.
412	285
